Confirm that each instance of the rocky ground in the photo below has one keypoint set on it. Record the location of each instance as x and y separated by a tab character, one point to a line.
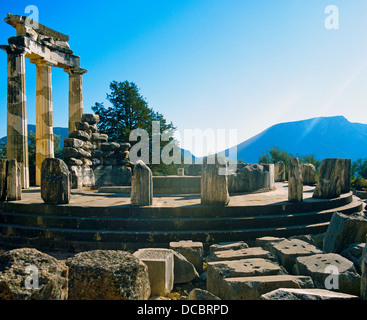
307	267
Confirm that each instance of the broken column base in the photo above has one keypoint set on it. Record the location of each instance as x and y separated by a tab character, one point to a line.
10	180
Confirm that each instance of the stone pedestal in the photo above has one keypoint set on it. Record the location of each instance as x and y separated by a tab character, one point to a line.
55	182
142	185
17	136
279	171
44	116
308	174
13	181
75	96
160	269
214	182
295	185
334	178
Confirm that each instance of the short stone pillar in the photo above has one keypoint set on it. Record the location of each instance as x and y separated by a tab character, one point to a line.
308	174
141	185
160	269
181	171
55	182
279	171
10	180
295	185
334	178
214	182
17	134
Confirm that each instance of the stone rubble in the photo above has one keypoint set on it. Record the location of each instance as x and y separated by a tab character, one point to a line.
94	161
269	268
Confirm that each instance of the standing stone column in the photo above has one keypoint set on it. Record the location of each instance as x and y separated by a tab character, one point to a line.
75	96
295	184
17	136
214	184
44	115
142	185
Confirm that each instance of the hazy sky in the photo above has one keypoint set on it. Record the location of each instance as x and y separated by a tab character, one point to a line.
209	64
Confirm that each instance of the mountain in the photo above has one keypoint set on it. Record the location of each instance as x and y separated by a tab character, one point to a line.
325	137
63	132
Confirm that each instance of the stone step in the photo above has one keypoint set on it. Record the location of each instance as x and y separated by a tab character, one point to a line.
251	288
172	224
189	212
79	239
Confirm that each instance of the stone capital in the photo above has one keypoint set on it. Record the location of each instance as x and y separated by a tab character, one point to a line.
75	71
14	49
42	62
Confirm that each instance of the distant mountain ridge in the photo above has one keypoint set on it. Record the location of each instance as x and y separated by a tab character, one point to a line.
62	132
325	137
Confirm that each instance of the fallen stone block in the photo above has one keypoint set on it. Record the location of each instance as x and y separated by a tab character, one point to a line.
184	270
344	230
265	241
329	271
251	288
247	253
288	250
55	182
227	246
107	275
90	118
73	143
218	271
200	294
306	294
160	264
192	251
28	274
79	134
354	253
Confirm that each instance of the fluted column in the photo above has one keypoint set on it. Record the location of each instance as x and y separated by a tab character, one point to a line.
75	96
44	115
17	135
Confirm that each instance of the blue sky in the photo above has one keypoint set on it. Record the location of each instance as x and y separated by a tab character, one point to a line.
209	64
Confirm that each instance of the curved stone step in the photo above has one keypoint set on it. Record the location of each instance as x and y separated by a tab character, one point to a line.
187	211
171	224
78	239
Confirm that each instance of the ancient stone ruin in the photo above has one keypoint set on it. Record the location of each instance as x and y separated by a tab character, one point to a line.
245	234
46	48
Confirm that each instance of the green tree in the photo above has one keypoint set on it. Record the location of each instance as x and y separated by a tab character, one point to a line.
129	111
359	168
32	154
274	155
2	150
